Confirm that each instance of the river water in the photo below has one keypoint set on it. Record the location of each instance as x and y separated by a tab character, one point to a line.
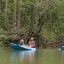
42	56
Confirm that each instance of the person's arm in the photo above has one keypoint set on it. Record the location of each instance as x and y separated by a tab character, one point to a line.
33	43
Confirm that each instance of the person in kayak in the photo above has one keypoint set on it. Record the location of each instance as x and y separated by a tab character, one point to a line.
31	42
21	42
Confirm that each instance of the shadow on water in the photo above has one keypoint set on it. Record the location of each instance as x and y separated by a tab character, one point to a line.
22	56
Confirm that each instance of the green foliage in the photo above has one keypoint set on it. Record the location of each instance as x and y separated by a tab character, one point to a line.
48	35
51	11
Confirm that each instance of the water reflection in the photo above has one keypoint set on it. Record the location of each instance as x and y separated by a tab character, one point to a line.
62	51
22	56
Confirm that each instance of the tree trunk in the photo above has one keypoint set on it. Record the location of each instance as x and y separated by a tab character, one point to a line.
16	19
14	22
34	19
0	9
5	11
18	16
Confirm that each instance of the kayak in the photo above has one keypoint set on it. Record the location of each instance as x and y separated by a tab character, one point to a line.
21	47
62	47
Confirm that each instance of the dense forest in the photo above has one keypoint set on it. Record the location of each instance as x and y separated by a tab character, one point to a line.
43	19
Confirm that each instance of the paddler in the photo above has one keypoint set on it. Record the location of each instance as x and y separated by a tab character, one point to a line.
31	42
21	42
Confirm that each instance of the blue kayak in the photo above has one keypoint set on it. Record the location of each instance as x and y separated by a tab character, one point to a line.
62	47
21	47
